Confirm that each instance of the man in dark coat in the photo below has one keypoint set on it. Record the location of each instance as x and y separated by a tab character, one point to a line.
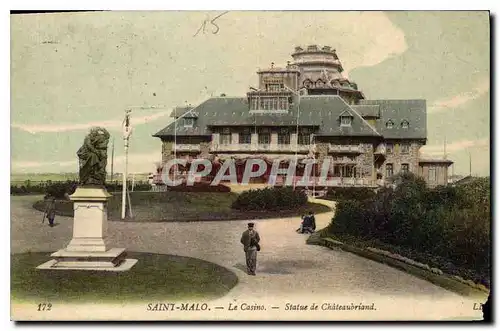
250	240
50	211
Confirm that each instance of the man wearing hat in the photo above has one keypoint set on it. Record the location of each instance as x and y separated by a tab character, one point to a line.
250	240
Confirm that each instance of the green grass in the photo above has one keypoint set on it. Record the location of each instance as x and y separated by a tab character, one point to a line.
185	206
155	277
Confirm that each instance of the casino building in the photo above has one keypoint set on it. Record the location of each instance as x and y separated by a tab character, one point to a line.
308	109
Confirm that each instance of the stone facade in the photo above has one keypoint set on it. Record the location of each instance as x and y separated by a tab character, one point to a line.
399	156
365	160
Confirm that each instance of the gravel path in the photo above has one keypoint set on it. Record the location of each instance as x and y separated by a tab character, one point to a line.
287	267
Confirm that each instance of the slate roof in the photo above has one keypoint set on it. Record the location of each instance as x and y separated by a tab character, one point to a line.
367	110
179	111
322	111
413	111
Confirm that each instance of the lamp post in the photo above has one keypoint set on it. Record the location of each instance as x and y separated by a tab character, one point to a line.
127	131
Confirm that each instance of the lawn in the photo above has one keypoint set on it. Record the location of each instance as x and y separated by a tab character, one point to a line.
155	277
185	206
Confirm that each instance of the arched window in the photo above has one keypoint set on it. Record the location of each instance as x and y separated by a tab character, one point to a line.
405	124
389	124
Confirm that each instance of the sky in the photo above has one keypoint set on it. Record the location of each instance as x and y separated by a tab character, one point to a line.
72	71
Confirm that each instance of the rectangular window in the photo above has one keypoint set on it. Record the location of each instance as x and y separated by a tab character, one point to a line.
188	122
283	104
283	138
273	87
389	170
304	139
348	171
225	138
255	103
245	138
337	169
432	175
264	138
275	103
405	167
261	103
389	148
405	149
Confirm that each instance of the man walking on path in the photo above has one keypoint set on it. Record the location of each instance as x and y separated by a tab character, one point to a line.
250	240
50	212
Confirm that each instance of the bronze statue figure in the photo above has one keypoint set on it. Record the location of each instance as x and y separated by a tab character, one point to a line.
93	157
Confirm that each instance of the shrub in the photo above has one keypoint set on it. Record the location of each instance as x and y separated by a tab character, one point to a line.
60	190
452	223
117	186
349	193
199	187
349	219
275	198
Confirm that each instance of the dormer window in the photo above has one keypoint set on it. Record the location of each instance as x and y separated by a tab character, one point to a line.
389	124
405	124
345	120
188	122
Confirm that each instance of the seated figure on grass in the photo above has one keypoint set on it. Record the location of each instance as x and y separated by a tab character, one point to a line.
308	224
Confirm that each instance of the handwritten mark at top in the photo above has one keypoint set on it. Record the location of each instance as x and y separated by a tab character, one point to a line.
215	27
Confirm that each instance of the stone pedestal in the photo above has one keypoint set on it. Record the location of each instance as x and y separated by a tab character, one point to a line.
88	249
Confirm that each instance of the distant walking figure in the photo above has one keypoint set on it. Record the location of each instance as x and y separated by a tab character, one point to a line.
50	211
250	240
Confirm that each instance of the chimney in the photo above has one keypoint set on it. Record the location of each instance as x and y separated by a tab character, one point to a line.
272	65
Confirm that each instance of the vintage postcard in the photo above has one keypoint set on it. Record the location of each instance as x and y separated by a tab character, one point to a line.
250	165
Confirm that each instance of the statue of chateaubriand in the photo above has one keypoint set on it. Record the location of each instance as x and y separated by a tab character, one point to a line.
93	157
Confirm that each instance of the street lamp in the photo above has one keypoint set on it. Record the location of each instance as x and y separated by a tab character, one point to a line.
127	131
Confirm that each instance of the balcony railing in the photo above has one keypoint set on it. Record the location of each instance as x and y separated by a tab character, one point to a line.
339	181
259	148
187	147
343	160
344	148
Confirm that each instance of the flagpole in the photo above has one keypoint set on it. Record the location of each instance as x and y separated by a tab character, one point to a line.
175	142
127	131
470	165
112	158
444	148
